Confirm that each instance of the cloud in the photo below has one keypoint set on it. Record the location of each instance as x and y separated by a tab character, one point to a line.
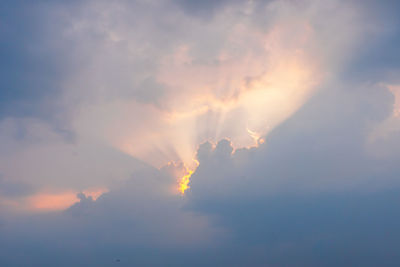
32	69
130	222
196	81
250	68
128	96
12	187
323	147
311	193
204	8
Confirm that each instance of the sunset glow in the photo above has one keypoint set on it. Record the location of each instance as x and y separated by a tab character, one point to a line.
242	98
199	133
60	201
184	182
53	201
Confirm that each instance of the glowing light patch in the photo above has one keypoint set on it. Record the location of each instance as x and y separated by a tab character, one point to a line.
95	193
52	201
242	98
184	182
258	140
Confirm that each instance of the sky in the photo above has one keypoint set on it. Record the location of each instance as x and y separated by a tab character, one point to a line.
199	133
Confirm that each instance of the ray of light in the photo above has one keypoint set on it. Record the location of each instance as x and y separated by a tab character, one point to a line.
242	97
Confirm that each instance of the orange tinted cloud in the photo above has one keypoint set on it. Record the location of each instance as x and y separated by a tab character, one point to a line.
52	201
58	201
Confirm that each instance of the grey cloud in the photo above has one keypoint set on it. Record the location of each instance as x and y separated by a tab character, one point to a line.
205	8
138	222
34	63
323	143
11	188
377	58
312	193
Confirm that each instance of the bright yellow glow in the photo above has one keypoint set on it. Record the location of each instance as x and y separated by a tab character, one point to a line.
184	182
